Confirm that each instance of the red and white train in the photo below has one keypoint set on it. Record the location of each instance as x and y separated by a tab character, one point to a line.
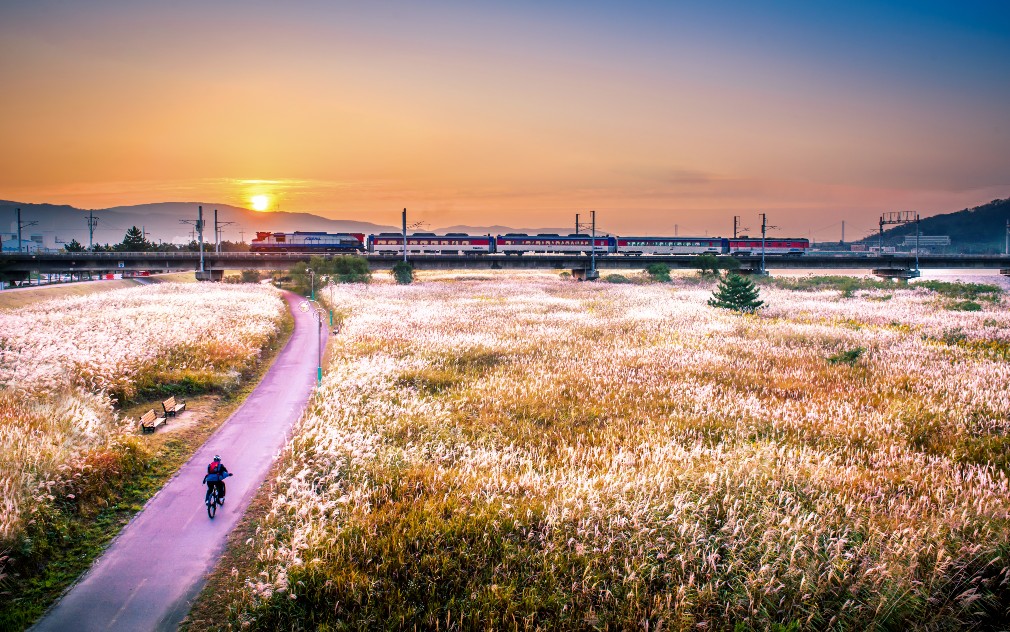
517	244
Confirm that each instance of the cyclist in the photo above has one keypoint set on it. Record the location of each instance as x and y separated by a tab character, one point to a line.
216	473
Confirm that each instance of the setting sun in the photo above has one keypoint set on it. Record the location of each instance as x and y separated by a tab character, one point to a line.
260	202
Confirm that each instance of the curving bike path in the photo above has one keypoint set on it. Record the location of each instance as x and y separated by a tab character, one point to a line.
150	574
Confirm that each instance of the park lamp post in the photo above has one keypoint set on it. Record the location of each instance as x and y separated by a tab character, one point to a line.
330	284
305	306
312	283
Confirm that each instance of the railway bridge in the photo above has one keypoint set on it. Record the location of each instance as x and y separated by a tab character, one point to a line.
19	267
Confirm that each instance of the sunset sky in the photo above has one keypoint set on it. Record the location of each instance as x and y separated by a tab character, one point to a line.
656	115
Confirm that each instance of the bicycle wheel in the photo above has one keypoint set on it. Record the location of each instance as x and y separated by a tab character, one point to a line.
212	504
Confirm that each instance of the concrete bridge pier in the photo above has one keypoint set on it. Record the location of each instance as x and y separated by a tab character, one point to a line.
210	275
896	273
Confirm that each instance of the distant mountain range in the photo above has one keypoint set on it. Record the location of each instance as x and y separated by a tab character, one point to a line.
58	224
979	229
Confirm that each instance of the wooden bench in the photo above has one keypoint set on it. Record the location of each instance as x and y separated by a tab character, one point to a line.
150	421
173	407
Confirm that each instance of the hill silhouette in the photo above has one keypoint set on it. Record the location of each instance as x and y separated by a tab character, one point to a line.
981	229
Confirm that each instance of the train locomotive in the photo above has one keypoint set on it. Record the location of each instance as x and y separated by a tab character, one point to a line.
518	244
308	241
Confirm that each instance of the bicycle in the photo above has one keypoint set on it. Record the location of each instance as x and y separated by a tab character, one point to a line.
214	499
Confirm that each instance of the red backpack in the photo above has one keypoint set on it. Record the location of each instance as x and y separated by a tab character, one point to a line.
212	468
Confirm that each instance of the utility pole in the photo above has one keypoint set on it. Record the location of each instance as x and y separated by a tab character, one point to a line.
20	226
592	249
1006	248
843	231
198	225
218	230
92	223
576	223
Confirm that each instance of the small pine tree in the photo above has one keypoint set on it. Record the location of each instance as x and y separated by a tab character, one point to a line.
134	241
73	246
736	293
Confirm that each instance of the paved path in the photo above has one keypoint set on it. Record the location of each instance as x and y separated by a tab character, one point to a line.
150	574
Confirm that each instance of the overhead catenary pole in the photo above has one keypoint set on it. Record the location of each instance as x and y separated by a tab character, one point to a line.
198	225
20	226
405	235
199	230
592	248
218	232
764	229
916	241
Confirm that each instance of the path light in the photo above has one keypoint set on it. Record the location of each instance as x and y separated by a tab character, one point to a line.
305	307
329	285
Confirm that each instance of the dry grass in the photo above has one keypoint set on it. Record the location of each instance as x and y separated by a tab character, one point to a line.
66	363
544	455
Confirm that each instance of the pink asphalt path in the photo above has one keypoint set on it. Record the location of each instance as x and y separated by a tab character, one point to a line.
150	574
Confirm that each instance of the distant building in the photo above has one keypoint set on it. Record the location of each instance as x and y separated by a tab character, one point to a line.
9	244
927	241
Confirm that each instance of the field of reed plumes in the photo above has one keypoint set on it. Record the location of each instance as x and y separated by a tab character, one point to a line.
542	454
64	365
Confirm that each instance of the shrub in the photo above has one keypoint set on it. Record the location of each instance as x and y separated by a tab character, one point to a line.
616	278
736	293
658	272
710	264
250	276
403	272
340	269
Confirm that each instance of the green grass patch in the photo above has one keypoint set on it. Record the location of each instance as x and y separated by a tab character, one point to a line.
966	292
965	306
847	285
849	357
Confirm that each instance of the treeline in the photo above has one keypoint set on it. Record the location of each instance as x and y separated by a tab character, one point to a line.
136	241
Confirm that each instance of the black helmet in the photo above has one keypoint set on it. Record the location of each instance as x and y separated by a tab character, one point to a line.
217	457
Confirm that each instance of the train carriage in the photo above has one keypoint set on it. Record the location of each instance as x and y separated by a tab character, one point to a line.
308	241
743	246
431	244
671	245
546	243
